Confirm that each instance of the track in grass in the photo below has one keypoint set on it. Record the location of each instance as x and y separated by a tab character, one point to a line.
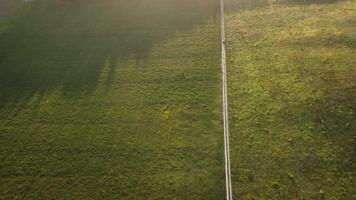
225	106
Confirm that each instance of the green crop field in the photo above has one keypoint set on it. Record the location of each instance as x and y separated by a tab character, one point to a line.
292	81
110	100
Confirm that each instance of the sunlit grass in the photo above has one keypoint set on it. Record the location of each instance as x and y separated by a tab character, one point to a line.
292	96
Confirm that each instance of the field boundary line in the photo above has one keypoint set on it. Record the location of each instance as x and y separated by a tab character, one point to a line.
225	104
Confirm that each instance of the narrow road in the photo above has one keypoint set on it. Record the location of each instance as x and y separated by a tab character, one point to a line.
225	105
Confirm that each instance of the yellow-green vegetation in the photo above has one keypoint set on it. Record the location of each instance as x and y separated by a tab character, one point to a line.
291	71
111	100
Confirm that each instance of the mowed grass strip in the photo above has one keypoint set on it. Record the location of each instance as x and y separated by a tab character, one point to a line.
292	101
111	100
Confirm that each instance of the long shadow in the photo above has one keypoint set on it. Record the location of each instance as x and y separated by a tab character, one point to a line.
6	7
63	44
238	5
308	2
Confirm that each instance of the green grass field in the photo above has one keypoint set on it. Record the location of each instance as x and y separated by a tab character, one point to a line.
121	100
291	71
110	100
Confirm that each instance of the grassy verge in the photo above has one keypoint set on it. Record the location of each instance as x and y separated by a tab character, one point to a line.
292	101
111	100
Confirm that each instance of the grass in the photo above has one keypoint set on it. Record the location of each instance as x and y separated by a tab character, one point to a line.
291	71
111	100
121	100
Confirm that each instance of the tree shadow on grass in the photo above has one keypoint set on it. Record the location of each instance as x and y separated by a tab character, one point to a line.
308	2
65	44
330	41
237	5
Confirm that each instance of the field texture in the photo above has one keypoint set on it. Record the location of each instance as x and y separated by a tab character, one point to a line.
110	99
291	71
